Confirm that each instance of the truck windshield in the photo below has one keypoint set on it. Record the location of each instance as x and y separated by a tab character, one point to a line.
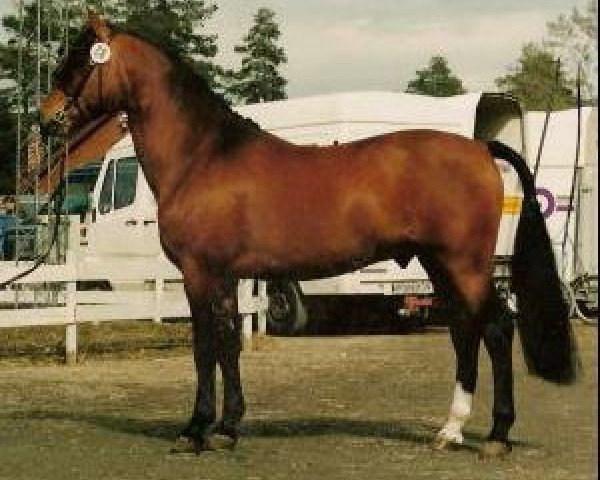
119	186
105	200
126	182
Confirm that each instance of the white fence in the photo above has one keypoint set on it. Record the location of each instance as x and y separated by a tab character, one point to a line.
49	295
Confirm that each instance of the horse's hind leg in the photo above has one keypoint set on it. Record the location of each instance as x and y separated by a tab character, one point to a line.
497	337
462	288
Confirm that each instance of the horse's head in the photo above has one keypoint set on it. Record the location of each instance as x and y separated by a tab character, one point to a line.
87	82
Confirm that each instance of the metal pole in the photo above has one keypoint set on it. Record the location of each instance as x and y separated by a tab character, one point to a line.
19	128
576	163
66	179
545	127
48	88
38	100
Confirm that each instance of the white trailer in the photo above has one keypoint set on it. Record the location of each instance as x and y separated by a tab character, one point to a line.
568	194
122	218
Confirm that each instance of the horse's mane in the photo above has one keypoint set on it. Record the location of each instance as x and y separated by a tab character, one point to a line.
190	87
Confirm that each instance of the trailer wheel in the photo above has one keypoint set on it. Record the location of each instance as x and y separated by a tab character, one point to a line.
286	314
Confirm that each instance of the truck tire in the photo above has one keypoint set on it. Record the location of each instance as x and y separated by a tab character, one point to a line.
286	314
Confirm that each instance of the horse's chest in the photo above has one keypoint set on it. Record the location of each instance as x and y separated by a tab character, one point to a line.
206	229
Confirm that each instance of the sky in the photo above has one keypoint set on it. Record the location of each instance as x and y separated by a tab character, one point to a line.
344	45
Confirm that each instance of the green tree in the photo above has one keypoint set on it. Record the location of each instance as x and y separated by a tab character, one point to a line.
173	23
573	38
258	80
538	81
436	80
176	24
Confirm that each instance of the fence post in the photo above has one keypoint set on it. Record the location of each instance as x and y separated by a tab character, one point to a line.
159	286
71	329
261	314
71	300
246	308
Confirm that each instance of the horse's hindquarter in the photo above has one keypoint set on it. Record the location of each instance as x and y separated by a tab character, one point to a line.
280	208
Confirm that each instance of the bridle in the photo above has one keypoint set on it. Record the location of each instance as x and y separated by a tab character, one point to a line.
99	55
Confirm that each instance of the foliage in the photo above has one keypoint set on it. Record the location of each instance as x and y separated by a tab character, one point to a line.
436	80
175	23
258	80
538	81
167	22
573	38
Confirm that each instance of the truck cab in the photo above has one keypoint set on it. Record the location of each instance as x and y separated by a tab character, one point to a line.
122	217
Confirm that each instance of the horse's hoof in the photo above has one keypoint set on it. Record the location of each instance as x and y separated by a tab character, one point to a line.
494	449
444	443
219	441
183	444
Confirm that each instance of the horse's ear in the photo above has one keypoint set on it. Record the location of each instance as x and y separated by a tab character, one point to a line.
99	25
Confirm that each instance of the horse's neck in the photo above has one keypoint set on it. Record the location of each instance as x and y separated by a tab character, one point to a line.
161	133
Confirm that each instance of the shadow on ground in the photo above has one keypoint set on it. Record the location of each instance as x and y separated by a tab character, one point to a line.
420	433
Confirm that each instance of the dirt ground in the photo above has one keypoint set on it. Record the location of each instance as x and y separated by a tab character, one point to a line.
344	407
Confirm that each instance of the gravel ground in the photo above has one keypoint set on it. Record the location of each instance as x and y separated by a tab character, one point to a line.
359	407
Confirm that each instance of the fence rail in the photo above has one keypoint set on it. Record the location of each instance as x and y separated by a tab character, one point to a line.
142	290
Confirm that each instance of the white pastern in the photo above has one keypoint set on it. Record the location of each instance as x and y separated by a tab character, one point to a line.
460	411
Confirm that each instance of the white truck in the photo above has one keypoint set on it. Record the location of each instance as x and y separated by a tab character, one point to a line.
122	216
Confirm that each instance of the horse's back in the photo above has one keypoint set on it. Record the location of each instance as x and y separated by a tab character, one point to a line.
277	205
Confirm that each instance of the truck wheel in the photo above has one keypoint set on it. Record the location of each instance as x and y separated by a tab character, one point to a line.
286	314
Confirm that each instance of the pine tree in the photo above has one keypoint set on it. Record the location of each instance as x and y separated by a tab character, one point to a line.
436	80
258	80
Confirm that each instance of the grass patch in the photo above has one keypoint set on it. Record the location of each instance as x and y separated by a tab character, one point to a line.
121	339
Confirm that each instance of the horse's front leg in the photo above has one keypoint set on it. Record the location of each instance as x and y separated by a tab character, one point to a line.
217	339
204	414
199	289
228	347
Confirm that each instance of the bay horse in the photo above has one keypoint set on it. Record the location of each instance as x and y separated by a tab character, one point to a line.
237	202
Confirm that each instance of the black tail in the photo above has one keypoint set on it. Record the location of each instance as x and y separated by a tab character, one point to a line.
543	320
